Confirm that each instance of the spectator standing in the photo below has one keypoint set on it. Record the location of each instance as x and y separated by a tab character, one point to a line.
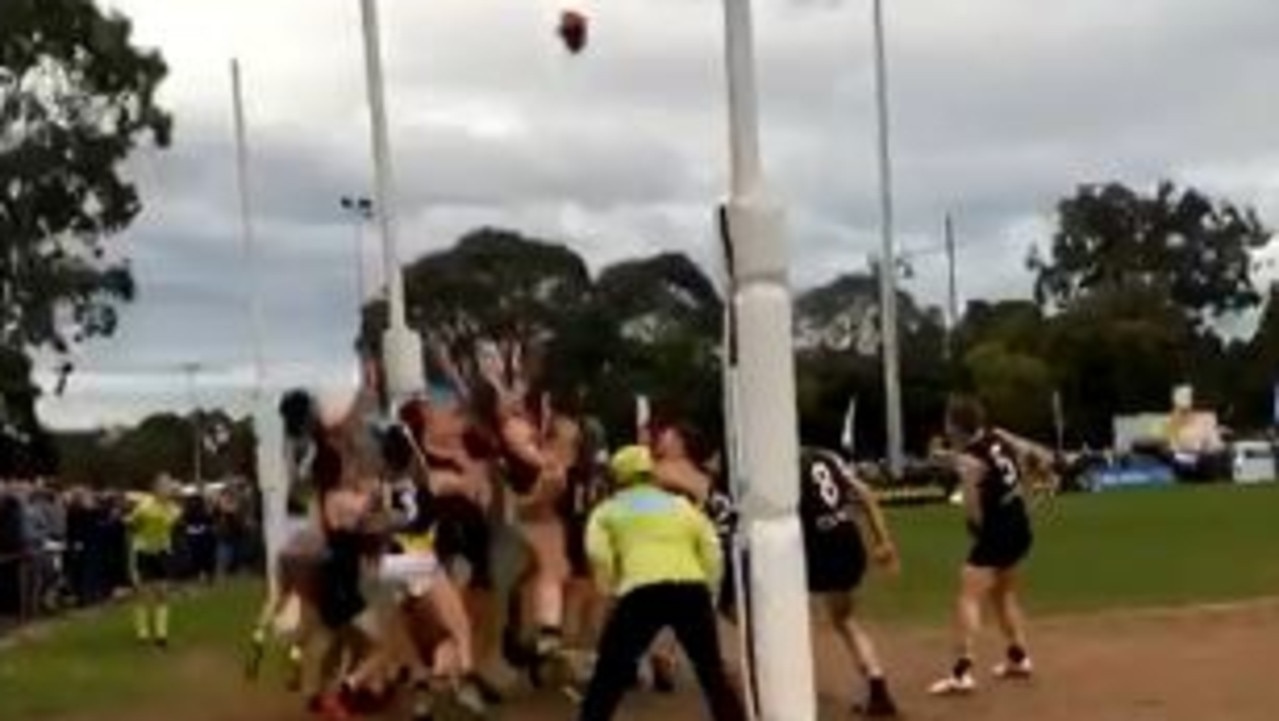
79	538
228	525
198	540
47	542
11	549
113	542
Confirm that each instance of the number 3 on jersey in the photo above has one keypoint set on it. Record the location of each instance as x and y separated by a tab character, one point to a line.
1005	466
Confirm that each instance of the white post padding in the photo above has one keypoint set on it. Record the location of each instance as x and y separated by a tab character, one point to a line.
783	660
765	402
405	371
767	420
273	480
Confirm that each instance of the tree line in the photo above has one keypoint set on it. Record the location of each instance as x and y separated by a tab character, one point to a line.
132	457
1132	293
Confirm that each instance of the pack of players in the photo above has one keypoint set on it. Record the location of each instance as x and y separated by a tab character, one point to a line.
489	522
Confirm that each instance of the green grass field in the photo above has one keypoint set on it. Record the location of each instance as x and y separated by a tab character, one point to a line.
90	662
1120	550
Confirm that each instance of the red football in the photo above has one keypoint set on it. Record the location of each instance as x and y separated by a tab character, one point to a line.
573	30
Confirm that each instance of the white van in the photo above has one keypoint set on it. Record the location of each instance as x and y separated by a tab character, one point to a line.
1253	462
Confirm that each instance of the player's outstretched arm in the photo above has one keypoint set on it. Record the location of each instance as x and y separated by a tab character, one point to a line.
1037	460
883	550
1026	448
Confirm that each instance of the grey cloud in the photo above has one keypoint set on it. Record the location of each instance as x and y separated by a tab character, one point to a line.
300	181
580	163
1099	95
999	107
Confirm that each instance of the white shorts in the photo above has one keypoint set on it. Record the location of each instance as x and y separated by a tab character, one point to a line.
409	573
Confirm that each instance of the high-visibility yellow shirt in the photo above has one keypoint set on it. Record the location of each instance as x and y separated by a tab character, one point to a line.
151	525
645	536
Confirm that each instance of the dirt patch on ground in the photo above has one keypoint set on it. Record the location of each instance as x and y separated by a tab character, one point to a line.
1162	666
1186	665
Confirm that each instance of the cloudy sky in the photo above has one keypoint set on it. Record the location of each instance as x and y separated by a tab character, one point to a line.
999	107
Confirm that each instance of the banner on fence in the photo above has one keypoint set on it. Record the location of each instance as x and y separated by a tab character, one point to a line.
1131	474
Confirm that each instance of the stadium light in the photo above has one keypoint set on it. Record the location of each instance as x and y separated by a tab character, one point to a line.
360	211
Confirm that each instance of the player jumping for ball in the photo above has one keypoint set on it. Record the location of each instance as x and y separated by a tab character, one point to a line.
990	465
833	505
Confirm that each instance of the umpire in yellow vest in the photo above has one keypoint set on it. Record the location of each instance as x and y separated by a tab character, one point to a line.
660	557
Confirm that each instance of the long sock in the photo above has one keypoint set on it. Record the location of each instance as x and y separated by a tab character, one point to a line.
162	622
141	622
1016	653
962	667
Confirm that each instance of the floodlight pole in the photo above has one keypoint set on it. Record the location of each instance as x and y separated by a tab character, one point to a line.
197	425
765	404
360	211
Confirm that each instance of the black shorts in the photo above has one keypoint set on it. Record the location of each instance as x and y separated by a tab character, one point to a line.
152	567
463	533
339	598
836	563
1000	548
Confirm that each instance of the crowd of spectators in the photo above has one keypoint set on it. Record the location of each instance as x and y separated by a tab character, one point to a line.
69	547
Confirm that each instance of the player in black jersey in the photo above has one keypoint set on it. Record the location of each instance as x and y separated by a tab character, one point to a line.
680	453
835	510
989	463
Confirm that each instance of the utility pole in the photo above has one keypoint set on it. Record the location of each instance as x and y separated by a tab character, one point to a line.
1059	421
952	295
12	314
197	431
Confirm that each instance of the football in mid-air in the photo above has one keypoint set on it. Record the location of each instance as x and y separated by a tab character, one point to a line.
573	30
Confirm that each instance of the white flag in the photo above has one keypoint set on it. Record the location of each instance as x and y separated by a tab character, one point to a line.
848	439
643	415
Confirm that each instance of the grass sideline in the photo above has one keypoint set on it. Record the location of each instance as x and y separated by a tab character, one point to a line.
89	662
1124	549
